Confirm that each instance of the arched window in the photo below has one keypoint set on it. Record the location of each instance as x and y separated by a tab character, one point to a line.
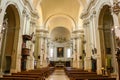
68	53
51	52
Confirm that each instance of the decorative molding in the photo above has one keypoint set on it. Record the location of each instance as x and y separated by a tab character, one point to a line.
32	22
41	31
87	11
86	22
34	14
78	31
29	5
24	12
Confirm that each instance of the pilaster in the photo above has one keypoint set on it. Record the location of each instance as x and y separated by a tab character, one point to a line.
87	59
114	63
42	50
24	20
77	47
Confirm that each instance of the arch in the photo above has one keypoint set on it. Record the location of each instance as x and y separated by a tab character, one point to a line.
101	14
11	25
101	7
15	6
69	18
5	5
60	34
105	22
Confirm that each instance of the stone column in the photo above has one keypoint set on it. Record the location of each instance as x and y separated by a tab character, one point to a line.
74	54
42	48
44	53
38	42
97	43
87	48
115	61
80	51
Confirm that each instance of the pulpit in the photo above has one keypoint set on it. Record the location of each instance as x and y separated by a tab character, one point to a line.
25	51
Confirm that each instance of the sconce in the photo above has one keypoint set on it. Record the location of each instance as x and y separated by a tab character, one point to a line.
38	57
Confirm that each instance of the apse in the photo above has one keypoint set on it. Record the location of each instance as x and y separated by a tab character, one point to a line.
60	35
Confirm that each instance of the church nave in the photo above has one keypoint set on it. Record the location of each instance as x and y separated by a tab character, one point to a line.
58	75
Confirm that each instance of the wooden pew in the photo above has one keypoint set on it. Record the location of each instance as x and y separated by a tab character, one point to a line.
17	78
76	74
37	74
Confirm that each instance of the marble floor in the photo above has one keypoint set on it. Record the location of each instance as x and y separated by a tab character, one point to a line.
58	75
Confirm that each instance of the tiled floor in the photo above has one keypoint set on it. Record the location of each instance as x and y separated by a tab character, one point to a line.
58	75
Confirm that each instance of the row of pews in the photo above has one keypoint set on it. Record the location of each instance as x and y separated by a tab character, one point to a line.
77	74
37	74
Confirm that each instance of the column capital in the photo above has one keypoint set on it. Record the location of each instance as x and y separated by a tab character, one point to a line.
78	31
86	22
41	31
33	21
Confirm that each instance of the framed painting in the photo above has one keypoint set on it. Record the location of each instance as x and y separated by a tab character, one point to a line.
60	52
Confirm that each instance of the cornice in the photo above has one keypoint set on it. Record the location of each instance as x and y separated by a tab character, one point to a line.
33	13
78	31
41	30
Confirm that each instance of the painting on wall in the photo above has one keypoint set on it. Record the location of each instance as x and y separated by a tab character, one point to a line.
60	52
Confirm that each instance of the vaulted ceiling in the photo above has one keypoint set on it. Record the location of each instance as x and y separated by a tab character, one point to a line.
67	7
60	13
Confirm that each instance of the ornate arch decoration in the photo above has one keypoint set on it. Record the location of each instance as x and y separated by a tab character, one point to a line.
60	15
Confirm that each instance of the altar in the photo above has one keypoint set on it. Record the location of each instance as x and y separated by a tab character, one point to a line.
59	65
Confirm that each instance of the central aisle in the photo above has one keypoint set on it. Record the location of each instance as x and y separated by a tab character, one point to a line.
58	75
